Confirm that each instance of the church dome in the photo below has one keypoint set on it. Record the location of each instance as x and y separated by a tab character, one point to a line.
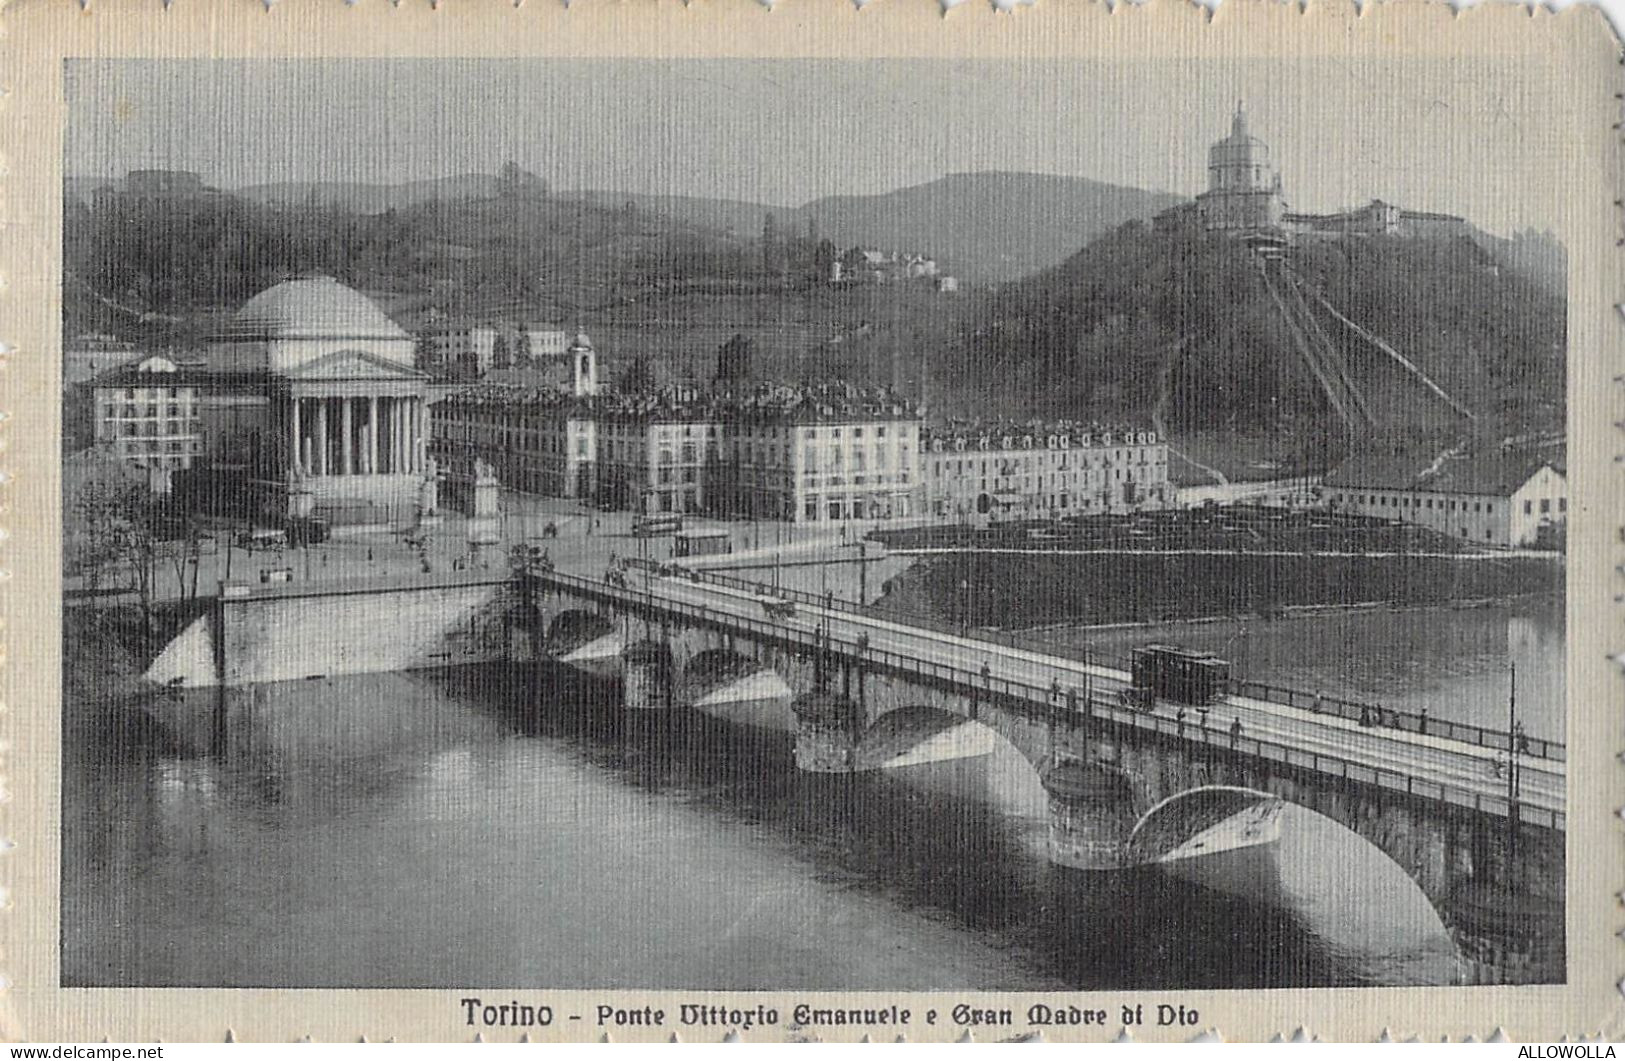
311	307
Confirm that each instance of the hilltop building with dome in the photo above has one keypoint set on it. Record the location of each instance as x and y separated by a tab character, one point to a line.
310	401
1244	198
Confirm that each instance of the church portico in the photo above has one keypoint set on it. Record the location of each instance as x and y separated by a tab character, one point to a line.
354	435
345	426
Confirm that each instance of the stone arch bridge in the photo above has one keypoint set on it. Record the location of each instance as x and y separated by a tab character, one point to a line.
1125	783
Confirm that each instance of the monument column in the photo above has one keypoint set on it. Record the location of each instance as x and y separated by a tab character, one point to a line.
347	451
295	444
372	435
321	437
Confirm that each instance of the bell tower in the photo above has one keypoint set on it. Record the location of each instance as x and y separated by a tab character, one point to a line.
583	367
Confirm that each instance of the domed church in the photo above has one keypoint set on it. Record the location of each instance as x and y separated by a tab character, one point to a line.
319	405
1244	189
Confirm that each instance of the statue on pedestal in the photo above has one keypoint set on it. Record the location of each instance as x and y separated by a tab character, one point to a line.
429	492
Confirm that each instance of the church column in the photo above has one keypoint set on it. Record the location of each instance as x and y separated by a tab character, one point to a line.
386	411
422	408
347	450
395	436
295	443
372	435
408	450
321	437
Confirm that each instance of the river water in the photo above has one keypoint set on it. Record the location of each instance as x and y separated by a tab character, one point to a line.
494	827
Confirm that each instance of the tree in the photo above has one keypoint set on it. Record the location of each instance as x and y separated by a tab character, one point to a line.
773	249
638	377
113	526
733	360
824	257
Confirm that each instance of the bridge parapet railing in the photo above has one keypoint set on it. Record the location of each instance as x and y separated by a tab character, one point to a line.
1352	710
1073	706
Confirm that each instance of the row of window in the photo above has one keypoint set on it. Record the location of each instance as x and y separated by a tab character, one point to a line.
1020	466
113	412
131	448
149	428
1544	505
842	507
130	394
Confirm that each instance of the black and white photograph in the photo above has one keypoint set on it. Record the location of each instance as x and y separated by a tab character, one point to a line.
813	525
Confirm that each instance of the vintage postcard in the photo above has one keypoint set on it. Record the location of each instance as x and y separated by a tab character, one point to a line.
810	523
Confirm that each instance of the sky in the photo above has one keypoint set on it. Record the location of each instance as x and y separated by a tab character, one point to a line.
1481	138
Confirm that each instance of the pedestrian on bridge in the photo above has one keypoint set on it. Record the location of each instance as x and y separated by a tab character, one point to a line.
1422	722
1235	731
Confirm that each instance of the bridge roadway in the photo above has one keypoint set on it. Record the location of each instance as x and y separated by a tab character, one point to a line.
1467	769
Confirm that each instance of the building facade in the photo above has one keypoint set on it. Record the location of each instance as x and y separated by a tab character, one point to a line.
1244	187
828	458
977	473
537	440
458	350
1244	198
658	458
149	415
1499	500
314	404
776	453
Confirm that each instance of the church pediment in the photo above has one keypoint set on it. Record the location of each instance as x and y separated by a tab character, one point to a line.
354	364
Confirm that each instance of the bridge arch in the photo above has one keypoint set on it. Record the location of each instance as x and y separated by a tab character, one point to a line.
890	737
711	677
571	628
1181	818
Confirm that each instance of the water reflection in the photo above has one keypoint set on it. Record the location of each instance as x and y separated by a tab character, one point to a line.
476	829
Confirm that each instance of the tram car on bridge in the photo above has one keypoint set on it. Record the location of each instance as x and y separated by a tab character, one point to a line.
702	541
1169	672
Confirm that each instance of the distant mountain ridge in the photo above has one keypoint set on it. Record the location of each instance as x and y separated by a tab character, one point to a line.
988	226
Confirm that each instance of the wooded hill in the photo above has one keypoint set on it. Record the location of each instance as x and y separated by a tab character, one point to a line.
1182	324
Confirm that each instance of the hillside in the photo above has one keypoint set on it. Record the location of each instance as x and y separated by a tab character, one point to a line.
645	285
982	227
362	198
985	226
1183	325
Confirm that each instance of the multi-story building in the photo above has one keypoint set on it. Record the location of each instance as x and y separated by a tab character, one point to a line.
777	453
1503	499
1042	471
537	440
816	457
568	366
457	349
656	455
149	415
